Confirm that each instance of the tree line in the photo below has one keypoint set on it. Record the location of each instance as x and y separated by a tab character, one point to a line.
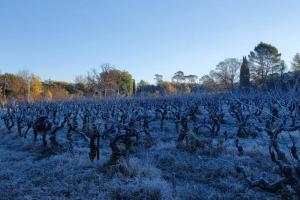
263	68
105	83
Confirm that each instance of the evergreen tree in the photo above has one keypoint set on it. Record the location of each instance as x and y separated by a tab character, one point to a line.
133	87
265	60
179	77
244	74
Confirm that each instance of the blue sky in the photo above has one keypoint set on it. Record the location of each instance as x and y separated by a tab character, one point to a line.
59	39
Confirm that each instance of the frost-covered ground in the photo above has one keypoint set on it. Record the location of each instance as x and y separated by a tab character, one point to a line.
160	171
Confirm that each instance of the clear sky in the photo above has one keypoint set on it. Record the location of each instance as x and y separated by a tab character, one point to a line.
59	39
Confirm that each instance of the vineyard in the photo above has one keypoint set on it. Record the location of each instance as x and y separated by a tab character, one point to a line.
227	145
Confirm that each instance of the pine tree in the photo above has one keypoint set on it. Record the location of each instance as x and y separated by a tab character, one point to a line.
244	74
265	60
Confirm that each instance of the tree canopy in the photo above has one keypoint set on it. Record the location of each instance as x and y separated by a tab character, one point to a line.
265	59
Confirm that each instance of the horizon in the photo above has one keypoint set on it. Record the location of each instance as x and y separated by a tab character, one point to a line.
60	40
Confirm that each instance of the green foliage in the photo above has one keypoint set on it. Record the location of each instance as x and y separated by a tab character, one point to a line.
265	60
126	84
179	77
15	86
112	82
244	74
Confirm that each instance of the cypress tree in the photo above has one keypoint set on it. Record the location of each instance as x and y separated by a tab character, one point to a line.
133	87
244	74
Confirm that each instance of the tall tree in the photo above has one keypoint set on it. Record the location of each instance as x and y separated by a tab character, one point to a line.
226	72
296	62
126	84
158	78
110	81
133	87
244	74
179	77
265	60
